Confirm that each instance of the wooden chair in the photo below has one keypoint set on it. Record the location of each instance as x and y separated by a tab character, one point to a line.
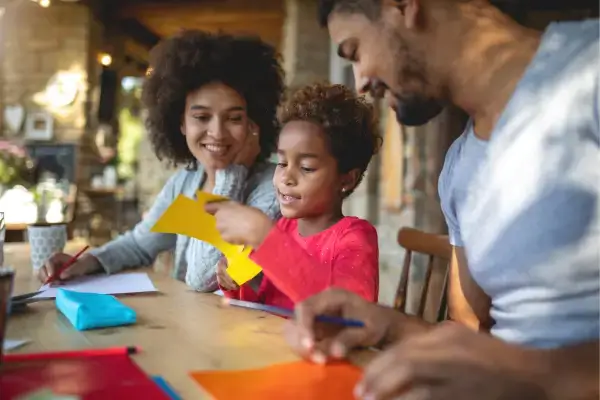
436	247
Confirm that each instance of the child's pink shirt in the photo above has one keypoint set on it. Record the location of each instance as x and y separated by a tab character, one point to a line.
345	256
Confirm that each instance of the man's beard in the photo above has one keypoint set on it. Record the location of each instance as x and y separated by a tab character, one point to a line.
413	109
416	111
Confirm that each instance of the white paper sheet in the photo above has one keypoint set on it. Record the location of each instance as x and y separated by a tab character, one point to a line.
13	344
219	292
137	282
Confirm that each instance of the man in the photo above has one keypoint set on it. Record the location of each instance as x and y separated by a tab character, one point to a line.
527	212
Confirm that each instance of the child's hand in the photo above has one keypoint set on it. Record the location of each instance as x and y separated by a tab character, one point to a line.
240	224
225	281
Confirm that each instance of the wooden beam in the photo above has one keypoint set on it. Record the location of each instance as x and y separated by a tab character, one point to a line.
548	5
206	7
138	32
136	51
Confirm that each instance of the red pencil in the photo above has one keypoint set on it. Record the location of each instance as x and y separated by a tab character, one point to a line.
70	354
66	265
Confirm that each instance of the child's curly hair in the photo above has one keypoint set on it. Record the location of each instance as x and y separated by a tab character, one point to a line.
192	59
348	122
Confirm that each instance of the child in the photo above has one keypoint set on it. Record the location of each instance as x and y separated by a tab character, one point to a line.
327	140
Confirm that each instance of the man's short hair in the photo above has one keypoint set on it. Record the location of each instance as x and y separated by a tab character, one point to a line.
370	8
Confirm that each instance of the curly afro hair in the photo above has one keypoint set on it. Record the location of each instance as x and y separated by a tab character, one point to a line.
192	59
348	122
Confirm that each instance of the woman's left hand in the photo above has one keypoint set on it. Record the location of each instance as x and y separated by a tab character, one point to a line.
250	150
240	224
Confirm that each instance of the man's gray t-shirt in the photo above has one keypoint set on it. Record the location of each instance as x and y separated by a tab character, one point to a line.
530	222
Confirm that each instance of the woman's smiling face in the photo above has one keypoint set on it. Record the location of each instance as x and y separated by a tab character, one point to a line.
215	125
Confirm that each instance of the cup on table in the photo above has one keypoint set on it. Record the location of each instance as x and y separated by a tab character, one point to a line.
45	240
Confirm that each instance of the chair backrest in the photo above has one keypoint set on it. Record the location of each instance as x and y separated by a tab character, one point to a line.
436	247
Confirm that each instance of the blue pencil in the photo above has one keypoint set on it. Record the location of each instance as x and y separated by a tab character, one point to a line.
284	312
162	383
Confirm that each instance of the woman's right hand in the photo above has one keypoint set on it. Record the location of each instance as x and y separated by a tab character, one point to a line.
225	281
86	264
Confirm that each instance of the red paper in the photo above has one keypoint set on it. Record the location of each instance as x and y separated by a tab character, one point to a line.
91	378
293	381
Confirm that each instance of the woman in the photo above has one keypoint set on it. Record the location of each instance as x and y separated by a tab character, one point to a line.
211	101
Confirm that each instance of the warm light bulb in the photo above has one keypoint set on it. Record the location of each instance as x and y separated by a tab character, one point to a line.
45	3
105	59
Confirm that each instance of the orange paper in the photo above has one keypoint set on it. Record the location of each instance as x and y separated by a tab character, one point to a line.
292	381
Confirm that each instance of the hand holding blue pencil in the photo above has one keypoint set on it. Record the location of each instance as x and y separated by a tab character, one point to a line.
284	312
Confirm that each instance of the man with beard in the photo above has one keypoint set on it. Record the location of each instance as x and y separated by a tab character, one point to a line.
523	208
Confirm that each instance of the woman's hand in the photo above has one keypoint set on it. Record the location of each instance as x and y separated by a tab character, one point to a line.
225	281
240	224
87	264
250	150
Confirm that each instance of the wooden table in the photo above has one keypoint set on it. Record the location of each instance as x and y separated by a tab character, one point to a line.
178	329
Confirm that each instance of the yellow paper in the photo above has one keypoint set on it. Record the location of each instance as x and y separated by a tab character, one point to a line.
241	268
188	217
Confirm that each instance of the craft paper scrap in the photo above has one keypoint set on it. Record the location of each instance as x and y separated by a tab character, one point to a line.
13	344
136	282
292	381
187	217
241	268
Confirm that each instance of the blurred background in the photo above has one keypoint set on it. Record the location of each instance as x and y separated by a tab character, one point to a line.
72	142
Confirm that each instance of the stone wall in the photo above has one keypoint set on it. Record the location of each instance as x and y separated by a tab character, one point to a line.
39	43
305	44
43	46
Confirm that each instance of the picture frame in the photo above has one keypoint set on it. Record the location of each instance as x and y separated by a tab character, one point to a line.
39	125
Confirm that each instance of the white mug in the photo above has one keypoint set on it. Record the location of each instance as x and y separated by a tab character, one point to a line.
45	240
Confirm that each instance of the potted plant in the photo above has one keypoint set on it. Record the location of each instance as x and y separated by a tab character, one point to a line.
16	167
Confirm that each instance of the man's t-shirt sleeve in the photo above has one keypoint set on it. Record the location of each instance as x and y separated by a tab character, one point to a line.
445	193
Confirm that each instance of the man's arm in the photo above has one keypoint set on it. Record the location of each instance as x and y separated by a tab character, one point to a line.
574	372
467	302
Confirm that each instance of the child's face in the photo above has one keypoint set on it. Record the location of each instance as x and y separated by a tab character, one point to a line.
307	180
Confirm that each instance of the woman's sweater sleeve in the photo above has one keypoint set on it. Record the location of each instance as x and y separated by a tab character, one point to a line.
354	267
140	246
232	182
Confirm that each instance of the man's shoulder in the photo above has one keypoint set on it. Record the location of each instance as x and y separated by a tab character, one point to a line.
567	63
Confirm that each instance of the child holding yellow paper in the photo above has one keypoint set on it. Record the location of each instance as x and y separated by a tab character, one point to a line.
328	138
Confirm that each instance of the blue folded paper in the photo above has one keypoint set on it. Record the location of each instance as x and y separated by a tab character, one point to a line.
93	310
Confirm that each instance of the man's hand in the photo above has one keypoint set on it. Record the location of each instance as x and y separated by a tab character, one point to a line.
452	362
319	342
225	281
240	224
